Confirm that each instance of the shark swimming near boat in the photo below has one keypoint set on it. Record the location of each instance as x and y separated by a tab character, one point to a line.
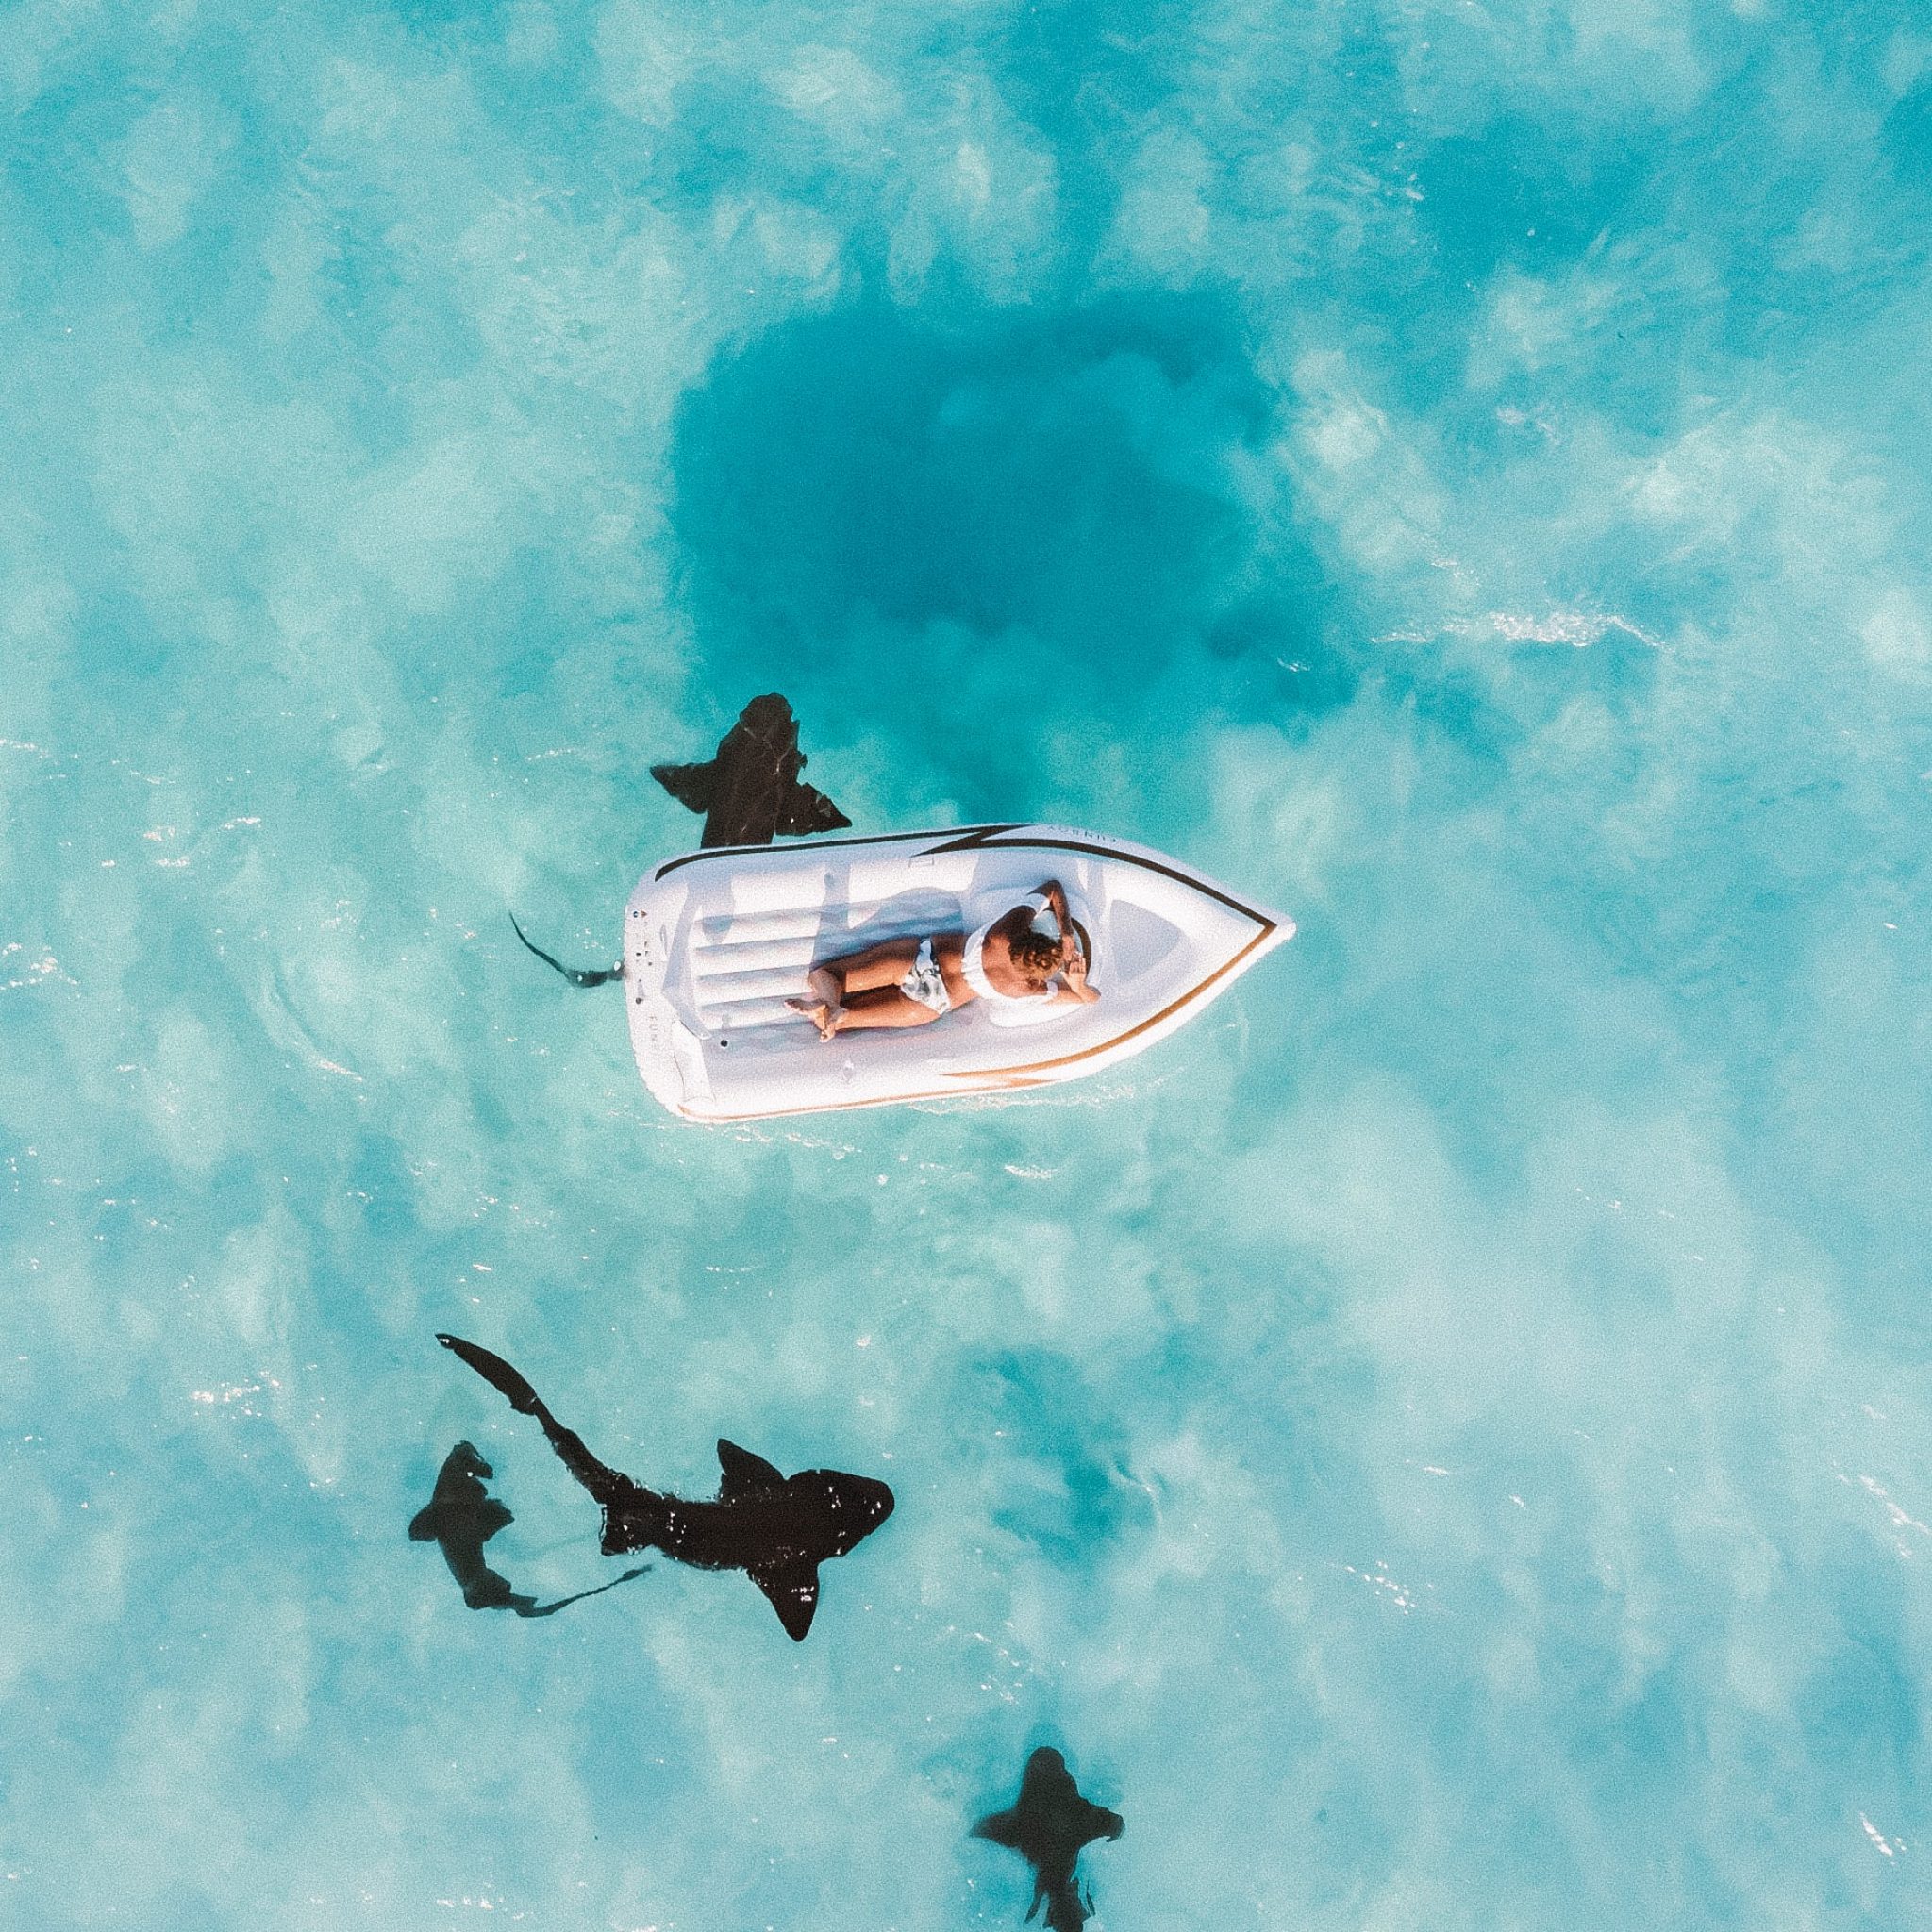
749	793
1049	1825
776	1528
461	1517
749	789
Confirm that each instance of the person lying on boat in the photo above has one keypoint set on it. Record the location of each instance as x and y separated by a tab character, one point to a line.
908	982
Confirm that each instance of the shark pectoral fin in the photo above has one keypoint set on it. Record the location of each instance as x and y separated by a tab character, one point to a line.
745	1474
693	786
807	809
493	1516
422	1525
793	1590
1002	1828
1096	1822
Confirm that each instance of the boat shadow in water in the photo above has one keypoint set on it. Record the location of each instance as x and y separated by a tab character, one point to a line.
462	1517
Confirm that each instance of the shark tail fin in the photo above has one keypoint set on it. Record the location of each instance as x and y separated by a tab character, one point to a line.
577	975
497	1373
528	1607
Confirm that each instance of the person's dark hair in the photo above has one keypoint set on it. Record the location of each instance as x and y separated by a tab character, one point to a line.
1035	955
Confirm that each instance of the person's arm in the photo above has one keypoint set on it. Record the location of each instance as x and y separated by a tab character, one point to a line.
1075	992
1056	897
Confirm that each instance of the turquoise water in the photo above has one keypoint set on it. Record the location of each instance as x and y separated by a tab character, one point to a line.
1443	1442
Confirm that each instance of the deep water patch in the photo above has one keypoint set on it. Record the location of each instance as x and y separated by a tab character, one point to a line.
987	531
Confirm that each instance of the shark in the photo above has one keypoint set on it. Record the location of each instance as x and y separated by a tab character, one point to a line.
1049	1825
749	789
749	793
461	1517
776	1528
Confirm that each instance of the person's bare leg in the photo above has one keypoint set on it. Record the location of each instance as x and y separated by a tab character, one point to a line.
884	964
829	1004
879	1006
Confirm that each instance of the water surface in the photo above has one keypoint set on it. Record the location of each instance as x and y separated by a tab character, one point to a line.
1444	1441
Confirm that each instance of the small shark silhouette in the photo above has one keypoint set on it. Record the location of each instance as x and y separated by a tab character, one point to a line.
776	1528
1048	1828
462	1517
749	791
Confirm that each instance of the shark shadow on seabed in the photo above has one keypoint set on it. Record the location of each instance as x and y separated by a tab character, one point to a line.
1049	1824
462	1517
776	1528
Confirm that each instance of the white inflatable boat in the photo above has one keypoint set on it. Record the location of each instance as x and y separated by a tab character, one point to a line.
716	941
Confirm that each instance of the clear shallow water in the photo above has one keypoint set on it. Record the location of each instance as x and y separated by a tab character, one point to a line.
1442	1443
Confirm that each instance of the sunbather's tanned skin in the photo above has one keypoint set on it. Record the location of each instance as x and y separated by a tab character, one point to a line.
863	990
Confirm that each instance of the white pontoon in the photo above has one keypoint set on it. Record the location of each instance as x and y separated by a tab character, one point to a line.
715	942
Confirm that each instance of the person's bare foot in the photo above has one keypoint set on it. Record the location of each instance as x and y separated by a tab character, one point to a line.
822	1014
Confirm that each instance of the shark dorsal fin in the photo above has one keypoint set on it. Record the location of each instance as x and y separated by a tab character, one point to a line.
745	1474
693	786
793	1590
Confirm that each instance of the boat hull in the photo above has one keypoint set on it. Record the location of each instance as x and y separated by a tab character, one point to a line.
715	942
